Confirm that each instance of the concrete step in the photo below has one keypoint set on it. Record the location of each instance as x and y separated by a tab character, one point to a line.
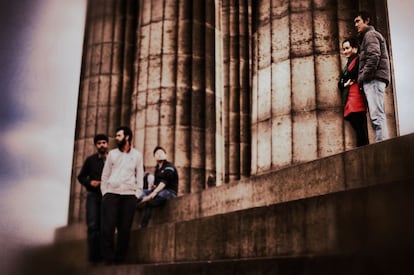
351	212
355	264
369	225
309	265
364	220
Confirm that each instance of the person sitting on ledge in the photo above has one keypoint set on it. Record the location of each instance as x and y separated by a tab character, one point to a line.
165	186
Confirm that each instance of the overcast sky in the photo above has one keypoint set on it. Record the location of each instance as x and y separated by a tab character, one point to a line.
40	57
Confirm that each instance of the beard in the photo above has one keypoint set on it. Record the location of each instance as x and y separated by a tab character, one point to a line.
121	143
102	150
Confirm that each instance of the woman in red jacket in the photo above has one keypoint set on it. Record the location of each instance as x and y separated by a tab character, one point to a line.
355	107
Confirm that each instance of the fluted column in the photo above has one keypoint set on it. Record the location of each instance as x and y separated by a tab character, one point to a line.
174	97
183	115
236	88
229	87
345	13
304	115
281	99
198	96
330	120
296	109
105	88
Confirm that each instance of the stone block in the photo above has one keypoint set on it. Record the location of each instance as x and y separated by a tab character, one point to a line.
281	98
303	84
330	132
301	34
281	141
264	94
304	136
155	44
327	76
280	33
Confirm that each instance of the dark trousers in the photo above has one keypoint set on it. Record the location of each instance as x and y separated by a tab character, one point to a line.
93	223
358	122
117	213
158	201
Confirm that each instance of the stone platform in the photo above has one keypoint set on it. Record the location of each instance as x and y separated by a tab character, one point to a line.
350	213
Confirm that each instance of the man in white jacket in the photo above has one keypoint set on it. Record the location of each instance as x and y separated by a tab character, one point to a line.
121	186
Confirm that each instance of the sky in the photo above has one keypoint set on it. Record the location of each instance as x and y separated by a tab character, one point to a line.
40	60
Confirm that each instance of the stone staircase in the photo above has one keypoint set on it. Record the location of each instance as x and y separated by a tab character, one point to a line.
351	213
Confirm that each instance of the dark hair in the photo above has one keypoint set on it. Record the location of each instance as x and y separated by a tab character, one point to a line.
158	148
127	132
100	137
352	42
365	16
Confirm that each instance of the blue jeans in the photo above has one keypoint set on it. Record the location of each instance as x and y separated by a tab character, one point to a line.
93	222
374	91
159	200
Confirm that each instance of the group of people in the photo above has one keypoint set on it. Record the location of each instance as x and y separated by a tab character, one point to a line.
364	79
114	181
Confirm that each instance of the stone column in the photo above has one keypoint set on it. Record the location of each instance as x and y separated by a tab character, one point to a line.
236	114
330	134
105	88
345	13
229	87
296	110
174	96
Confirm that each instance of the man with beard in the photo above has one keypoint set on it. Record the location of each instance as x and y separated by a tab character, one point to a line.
122	183
165	186
90	177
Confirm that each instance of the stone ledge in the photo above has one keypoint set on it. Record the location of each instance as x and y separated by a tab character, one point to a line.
372	225
384	162
310	265
76	231
357	168
364	220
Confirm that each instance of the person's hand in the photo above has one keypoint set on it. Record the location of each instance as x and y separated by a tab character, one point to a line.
348	83
146	199
95	183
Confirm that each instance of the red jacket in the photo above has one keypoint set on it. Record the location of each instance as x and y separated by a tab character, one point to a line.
352	98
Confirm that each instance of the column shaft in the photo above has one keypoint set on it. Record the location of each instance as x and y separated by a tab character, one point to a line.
105	84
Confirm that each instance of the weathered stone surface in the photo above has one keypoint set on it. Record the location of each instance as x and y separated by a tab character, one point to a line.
233	89
347	210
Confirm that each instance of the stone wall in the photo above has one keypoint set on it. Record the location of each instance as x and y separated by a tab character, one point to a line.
232	89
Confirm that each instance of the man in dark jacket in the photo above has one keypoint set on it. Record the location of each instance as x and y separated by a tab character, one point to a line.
165	185
374	72
90	177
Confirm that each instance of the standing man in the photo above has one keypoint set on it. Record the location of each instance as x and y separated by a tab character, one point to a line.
122	181
374	72
90	177
165	185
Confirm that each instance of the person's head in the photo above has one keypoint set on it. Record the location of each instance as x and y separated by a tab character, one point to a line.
362	21
160	154
123	136
101	143
349	47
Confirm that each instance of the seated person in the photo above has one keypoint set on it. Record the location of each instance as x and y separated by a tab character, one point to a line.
165	185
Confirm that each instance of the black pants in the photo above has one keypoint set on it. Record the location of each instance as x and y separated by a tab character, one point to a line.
358	121
117	213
